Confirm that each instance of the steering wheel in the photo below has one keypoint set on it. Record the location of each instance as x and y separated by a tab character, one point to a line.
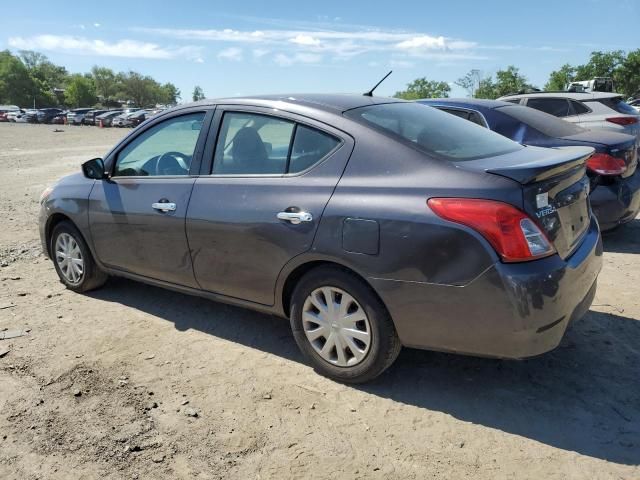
172	163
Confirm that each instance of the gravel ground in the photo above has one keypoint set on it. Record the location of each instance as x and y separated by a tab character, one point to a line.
132	381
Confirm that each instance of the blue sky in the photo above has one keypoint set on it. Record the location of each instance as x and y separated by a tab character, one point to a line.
253	47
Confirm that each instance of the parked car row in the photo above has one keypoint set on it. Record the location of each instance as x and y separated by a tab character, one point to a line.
370	223
127	117
612	169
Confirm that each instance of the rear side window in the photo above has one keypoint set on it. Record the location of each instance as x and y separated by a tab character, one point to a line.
309	147
578	108
432	131
255	144
558	107
617	104
543	122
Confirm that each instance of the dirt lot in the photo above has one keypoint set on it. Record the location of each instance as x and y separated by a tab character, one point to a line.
108	385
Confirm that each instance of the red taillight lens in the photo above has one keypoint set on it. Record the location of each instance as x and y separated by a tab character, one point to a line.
623	120
604	164
510	231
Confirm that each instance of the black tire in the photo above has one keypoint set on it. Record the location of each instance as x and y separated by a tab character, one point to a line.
92	277
385	344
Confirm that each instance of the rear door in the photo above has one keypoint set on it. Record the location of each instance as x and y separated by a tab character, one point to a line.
260	203
137	216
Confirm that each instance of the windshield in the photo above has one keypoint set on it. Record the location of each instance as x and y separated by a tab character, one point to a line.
543	122
432	131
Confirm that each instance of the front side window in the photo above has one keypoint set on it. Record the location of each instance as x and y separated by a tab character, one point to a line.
432	131
558	107
165	149
255	144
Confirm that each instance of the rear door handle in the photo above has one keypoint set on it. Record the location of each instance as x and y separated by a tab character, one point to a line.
295	217
164	206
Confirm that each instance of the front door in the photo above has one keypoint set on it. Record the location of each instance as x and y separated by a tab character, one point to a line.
272	178
137	216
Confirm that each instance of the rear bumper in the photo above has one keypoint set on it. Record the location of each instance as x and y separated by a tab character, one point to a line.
616	204
510	311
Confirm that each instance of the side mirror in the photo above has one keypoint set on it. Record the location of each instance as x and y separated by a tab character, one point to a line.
94	169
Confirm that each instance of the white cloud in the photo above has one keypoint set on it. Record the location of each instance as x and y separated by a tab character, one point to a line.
288	60
423	42
97	25
85	46
305	40
234	54
199	60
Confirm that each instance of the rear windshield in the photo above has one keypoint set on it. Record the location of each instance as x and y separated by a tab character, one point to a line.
543	122
617	104
433	132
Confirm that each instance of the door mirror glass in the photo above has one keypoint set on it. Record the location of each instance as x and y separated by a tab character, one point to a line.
94	169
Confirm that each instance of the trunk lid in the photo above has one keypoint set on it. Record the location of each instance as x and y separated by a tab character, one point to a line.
555	189
615	144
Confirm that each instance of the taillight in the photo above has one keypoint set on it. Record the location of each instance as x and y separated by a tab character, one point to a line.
604	164
623	120
510	231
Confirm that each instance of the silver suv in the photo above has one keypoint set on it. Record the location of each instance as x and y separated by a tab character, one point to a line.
601	110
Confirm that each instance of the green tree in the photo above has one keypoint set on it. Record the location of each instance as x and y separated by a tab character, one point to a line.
423	88
559	79
627	79
47	77
486	89
168	94
80	92
510	81
141	89
601	64
470	82
16	85
198	93
106	83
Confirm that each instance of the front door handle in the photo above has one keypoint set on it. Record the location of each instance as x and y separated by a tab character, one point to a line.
295	217
164	206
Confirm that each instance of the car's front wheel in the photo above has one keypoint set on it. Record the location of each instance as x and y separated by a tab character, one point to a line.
342	327
73	260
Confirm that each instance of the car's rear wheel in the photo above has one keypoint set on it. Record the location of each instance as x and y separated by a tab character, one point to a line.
341	326
73	260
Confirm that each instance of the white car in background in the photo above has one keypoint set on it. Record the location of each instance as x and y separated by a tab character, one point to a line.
592	110
635	104
14	115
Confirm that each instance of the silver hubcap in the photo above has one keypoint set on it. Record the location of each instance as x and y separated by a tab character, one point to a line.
336	326
69	258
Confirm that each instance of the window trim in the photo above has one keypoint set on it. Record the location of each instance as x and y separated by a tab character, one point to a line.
463	109
206	169
112	157
572	101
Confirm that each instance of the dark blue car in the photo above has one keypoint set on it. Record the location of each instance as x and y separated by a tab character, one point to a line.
615	183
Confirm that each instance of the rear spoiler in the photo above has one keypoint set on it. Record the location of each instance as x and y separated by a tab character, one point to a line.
554	162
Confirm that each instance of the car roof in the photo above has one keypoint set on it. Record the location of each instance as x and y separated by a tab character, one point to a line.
563	94
333	103
465	102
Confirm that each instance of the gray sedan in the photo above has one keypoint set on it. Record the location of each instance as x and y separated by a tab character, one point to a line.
370	223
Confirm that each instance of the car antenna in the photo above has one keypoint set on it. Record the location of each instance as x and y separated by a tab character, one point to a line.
370	92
